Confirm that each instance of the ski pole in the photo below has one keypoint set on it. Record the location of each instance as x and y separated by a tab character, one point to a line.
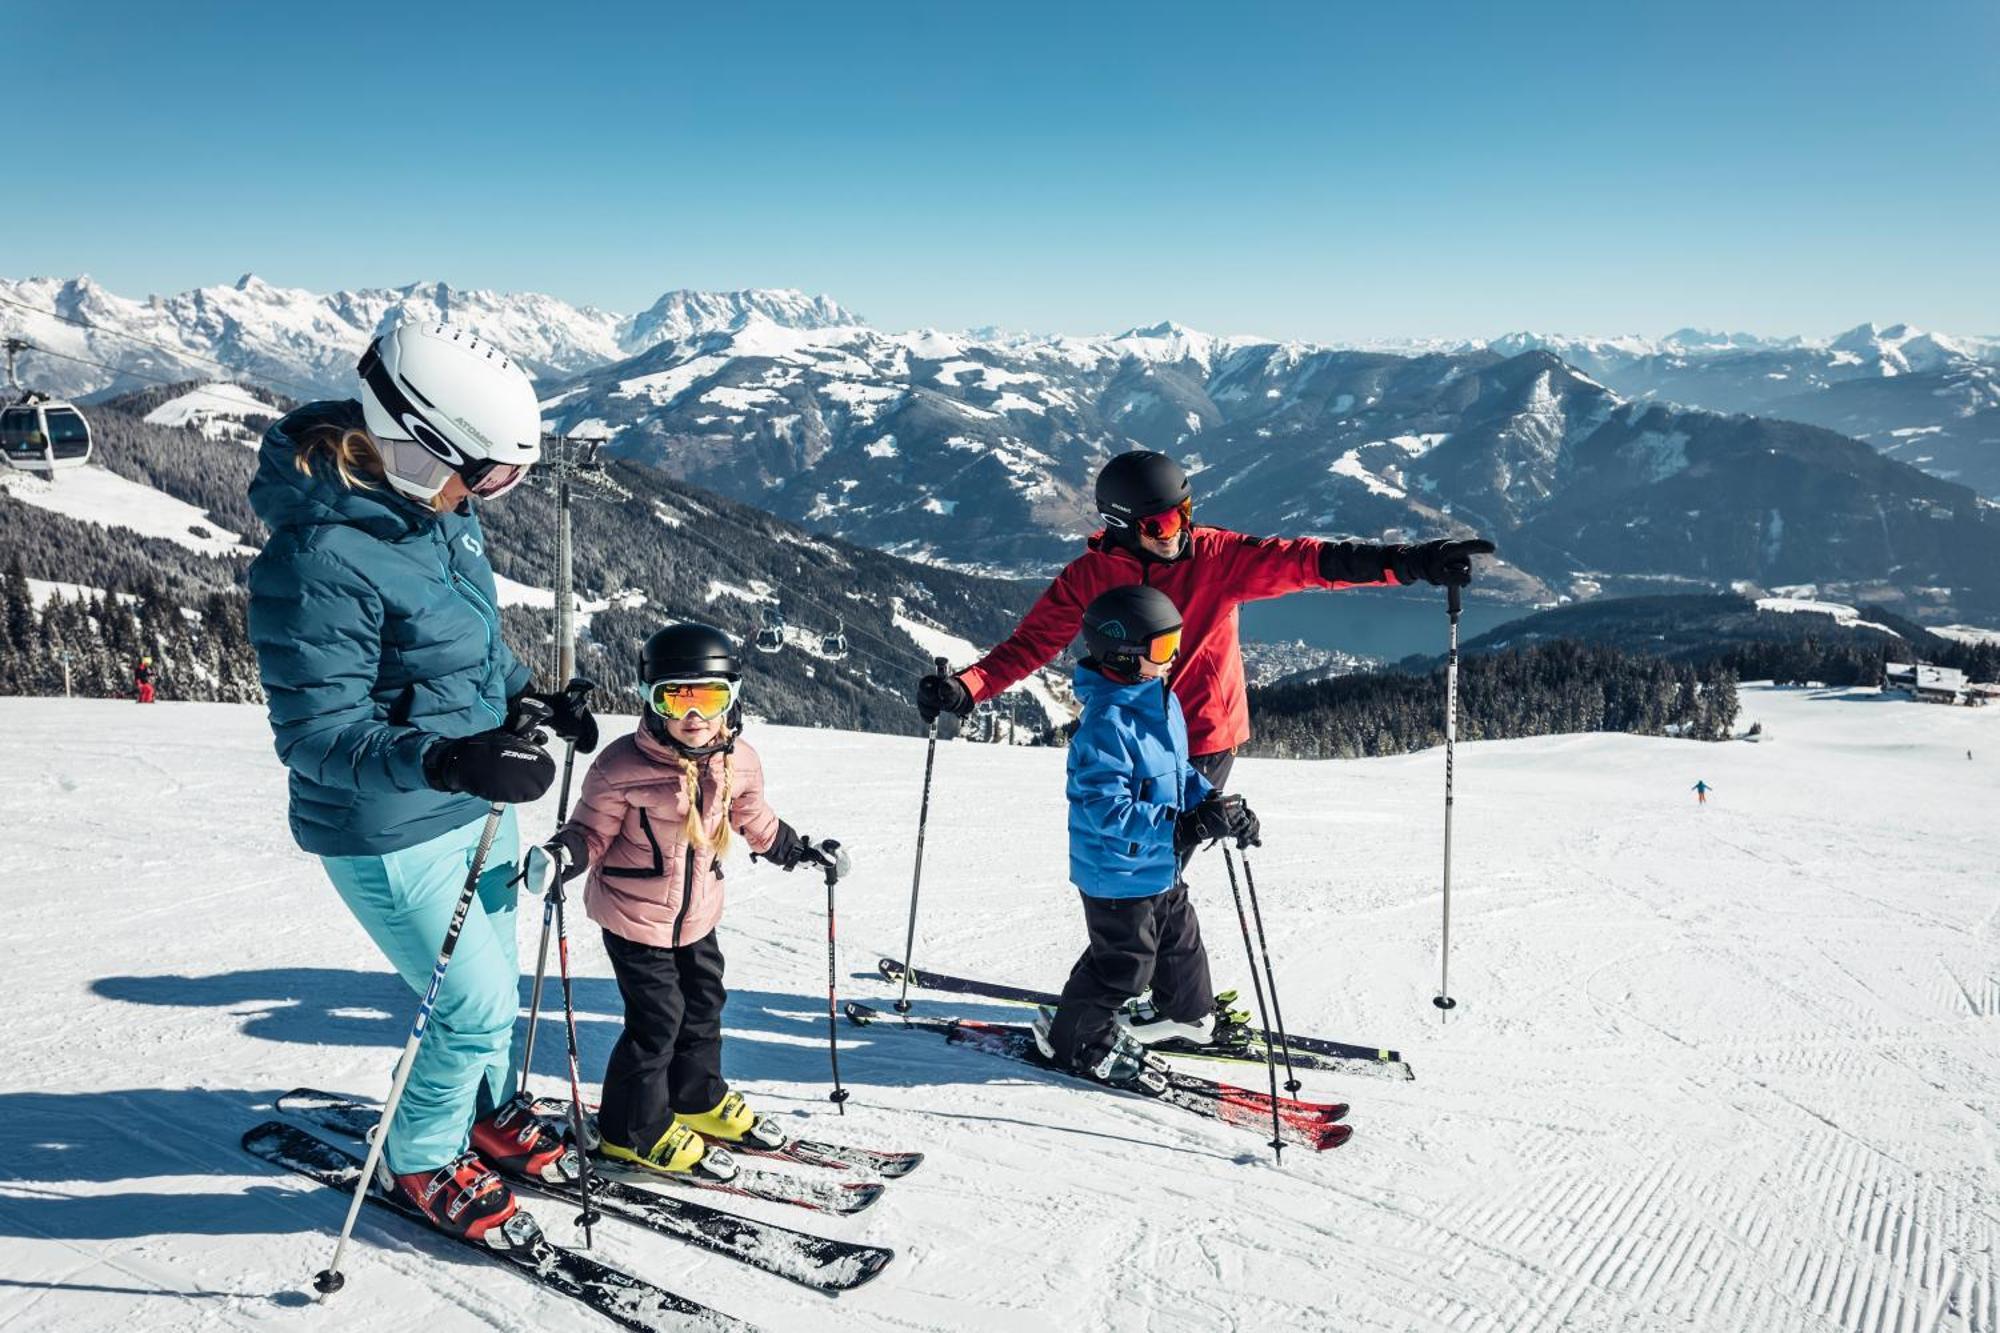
330	1279
839	1094
917	872
579	688
1256	985
1443	999
587	1215
1270	980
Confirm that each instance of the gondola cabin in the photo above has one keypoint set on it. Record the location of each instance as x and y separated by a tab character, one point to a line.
43	435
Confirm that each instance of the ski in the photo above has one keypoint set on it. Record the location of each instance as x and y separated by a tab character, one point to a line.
620	1297
831	1266
1306	1052
839	1197
799	1152
1312	1125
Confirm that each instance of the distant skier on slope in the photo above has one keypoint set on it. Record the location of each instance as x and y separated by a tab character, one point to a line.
656	816
1137	804
1150	538
1701	790
142	680
390	689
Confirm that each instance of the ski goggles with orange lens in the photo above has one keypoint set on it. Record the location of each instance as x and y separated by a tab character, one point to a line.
1168	524
1163	648
707	699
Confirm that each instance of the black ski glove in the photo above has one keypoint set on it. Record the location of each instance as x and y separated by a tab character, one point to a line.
569	714
942	694
790	849
1447	562
493	765
1218	816
785	850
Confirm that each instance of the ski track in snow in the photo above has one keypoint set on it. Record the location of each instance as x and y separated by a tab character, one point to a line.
1722	1068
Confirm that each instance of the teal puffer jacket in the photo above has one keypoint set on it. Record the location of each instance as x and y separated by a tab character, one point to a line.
377	633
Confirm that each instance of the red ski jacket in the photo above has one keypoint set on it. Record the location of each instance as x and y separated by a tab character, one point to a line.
1219	571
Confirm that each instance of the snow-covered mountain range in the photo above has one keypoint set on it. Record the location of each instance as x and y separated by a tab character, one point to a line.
305	343
982	452
977	449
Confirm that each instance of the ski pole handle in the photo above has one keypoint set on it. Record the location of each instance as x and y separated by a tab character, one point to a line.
917	870
529	715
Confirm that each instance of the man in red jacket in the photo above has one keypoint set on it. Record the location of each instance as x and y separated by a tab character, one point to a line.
1150	537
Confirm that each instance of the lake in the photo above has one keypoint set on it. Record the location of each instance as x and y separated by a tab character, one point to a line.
1388	625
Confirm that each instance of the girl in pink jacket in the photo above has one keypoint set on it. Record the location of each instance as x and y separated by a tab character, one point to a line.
659	809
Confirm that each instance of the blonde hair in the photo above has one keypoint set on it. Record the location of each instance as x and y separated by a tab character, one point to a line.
353	456
692	831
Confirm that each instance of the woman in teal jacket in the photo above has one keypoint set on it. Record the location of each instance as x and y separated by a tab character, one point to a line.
390	689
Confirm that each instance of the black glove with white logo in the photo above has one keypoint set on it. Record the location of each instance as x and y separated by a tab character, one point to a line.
493	765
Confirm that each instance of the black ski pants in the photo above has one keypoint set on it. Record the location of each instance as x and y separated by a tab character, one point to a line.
668	1060
1134	943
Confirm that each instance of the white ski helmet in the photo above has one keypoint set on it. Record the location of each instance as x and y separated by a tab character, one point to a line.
438	401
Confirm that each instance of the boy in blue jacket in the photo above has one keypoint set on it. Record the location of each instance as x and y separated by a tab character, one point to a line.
1136	807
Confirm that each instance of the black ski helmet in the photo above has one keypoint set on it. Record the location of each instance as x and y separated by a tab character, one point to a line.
1136	485
1119	625
688	651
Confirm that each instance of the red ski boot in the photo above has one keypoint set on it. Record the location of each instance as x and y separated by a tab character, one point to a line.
517	1141
462	1198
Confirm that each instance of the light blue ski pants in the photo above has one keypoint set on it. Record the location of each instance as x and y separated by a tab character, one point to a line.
465	1065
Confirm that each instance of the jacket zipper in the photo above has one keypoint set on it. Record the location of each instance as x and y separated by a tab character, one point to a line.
487	617
687	878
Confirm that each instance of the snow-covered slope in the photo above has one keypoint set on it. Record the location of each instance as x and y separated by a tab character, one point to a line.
1721	1069
96	496
220	410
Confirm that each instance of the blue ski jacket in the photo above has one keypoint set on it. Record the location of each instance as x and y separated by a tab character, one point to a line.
1129	780
377	633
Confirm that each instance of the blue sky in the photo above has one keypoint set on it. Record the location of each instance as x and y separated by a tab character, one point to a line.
1317	170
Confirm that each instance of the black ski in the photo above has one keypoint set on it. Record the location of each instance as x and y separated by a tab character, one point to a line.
831	1266
1312	1125
1306	1052
620	1297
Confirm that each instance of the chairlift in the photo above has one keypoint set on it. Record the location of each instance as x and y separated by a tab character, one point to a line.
39	433
771	634
834	645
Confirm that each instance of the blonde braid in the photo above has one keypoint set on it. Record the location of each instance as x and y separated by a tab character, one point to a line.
693	831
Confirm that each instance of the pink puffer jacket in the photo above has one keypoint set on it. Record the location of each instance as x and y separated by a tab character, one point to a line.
646	884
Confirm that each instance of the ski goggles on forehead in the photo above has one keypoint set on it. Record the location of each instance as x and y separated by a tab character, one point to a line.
710	700
1168	523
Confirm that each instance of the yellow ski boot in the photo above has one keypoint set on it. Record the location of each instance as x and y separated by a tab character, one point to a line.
680	1152
731	1121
